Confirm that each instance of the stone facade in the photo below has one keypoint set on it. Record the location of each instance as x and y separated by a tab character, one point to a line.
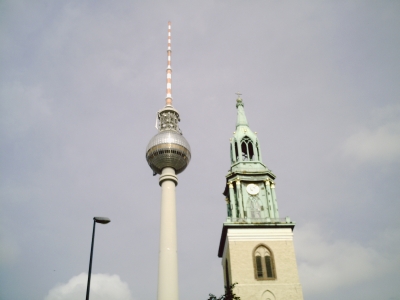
238	254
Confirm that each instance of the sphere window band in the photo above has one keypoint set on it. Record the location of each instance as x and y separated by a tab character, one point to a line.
168	149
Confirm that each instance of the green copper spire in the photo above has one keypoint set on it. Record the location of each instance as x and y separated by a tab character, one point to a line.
250	185
245	147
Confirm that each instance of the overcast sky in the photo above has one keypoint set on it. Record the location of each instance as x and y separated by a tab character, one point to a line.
81	82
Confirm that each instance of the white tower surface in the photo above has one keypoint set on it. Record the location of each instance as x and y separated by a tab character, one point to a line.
168	154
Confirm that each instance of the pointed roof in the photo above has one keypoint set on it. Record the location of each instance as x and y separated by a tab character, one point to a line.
242	126
245	149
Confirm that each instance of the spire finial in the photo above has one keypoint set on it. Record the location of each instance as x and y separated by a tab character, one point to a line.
239	100
168	98
241	117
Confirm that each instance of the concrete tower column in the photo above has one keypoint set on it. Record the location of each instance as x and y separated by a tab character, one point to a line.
168	257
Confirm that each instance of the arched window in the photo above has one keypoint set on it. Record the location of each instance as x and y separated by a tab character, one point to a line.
247	149
264	268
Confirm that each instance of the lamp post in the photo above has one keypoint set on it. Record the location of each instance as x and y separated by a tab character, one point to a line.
101	220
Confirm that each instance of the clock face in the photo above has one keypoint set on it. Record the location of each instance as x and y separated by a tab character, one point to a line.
252	189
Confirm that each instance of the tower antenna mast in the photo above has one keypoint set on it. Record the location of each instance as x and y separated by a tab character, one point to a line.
168	99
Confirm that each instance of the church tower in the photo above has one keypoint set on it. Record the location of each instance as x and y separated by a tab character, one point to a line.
256	244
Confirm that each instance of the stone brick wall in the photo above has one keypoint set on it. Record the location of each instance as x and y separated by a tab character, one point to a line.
285	286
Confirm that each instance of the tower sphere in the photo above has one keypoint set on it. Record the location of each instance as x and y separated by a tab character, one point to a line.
168	148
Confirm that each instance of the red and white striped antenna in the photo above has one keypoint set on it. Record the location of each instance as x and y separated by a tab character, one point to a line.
168	99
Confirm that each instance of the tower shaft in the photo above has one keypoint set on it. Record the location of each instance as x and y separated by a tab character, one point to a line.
168	256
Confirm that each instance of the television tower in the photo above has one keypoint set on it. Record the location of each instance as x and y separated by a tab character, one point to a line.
168	154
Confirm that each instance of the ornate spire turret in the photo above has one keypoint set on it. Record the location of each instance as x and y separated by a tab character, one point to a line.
245	147
250	189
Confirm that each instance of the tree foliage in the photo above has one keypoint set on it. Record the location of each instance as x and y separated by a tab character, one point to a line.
229	294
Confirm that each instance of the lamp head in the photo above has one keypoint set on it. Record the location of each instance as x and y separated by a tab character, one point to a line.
102	220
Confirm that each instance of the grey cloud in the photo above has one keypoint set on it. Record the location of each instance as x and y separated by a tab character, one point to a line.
379	144
102	287
327	265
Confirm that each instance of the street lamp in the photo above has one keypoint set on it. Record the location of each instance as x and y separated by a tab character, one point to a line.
101	220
